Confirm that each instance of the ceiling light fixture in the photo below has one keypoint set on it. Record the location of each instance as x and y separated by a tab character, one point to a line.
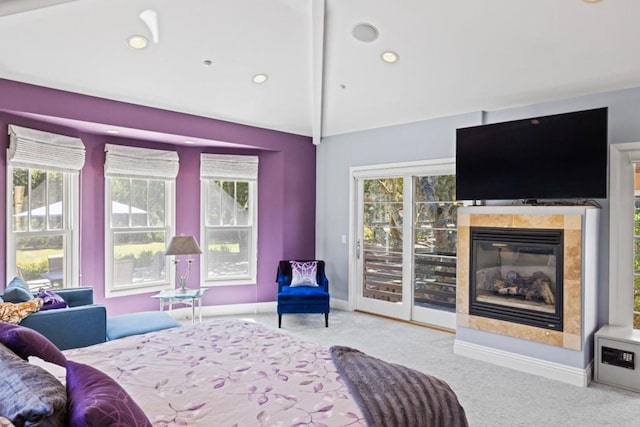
592	1
389	57
260	78
137	42
365	32
207	63
150	19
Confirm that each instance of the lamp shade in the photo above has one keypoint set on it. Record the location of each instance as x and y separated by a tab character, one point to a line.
183	245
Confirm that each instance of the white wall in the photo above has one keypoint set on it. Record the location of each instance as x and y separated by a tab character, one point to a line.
433	139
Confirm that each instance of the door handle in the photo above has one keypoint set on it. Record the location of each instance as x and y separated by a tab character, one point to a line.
358	249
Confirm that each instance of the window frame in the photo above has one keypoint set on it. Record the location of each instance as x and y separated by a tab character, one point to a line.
69	231
251	277
622	158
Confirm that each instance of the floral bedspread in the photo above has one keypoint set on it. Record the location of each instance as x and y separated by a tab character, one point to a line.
226	373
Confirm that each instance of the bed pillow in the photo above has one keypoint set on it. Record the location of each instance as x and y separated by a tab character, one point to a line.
29	395
95	399
17	291
303	273
14	313
26	342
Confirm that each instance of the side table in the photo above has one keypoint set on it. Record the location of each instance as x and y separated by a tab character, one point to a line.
188	297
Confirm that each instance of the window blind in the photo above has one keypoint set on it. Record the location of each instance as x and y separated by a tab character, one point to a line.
123	160
227	166
30	148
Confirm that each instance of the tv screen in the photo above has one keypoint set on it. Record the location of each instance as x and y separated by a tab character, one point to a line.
562	156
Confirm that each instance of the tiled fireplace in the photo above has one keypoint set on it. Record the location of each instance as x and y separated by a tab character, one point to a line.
526	290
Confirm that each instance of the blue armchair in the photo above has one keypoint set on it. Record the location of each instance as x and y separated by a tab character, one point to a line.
302	299
81	324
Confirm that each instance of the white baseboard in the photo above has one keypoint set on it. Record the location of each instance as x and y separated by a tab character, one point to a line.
225	310
231	309
340	304
530	365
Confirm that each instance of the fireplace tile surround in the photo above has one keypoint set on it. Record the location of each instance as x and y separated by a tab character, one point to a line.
572	336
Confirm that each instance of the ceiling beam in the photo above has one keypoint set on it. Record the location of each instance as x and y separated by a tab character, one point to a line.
317	67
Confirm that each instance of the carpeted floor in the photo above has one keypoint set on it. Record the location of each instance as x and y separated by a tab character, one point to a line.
491	395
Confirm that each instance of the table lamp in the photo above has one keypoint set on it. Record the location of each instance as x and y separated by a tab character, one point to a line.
183	245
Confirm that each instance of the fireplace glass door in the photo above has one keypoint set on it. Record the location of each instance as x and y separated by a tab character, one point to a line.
516	275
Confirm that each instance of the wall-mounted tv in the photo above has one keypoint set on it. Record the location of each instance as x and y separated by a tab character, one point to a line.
562	156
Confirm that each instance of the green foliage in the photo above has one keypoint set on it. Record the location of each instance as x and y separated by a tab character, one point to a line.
34	270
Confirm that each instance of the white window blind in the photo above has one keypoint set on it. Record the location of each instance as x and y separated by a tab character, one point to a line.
135	161
230	167
30	148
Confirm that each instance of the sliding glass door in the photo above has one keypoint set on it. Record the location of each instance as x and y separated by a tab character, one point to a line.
380	247
405	244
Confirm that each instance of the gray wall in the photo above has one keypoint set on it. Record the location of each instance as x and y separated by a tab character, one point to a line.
433	139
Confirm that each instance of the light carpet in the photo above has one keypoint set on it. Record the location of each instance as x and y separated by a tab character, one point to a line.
491	395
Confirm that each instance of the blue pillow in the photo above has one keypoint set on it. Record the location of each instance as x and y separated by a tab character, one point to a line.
17	291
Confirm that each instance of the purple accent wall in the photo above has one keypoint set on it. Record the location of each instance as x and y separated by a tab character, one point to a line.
286	183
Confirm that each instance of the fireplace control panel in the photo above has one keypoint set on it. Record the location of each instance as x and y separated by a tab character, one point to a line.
615	357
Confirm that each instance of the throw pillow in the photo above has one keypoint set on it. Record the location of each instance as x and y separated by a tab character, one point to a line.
51	300
14	313
95	399
29	395
17	291
303	273
26	342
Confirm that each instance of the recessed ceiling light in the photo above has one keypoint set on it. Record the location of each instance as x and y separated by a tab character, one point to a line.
137	42
592	1
389	57
113	131
260	78
207	63
365	32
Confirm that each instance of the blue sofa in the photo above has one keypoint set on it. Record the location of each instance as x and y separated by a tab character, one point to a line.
81	324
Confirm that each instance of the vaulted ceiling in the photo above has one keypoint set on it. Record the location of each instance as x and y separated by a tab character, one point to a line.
323	77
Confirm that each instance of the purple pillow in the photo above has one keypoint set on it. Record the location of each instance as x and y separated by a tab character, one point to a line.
50	300
95	399
26	342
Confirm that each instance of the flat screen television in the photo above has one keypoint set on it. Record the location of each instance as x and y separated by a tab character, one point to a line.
562	156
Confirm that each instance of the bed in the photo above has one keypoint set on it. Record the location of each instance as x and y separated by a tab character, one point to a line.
229	372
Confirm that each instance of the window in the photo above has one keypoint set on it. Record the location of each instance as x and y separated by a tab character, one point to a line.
42	238
229	203
623	234
636	248
140	200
